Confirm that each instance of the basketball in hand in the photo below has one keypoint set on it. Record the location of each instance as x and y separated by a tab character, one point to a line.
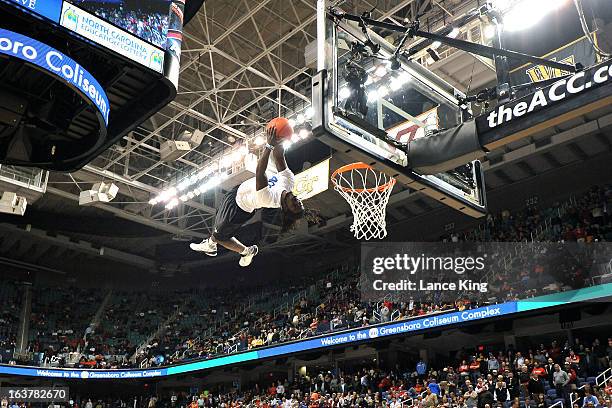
283	128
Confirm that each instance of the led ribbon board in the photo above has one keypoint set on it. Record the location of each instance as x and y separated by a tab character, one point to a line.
338	339
111	37
573	87
50	9
57	64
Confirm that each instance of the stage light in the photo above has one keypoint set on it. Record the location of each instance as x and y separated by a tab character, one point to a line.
395	84
183	185
165	195
489	31
526	14
236	156
295	138
304	133
259	140
372	95
292	122
404	78
287	144
383	91
250	162
172	203
380	71
435	45
213	182
309	112
344	92
502	5
300	119
184	197
226	161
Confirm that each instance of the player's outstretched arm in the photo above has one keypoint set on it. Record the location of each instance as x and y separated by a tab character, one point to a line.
278	155
261	180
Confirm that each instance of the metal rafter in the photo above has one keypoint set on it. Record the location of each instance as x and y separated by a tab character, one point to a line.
237	71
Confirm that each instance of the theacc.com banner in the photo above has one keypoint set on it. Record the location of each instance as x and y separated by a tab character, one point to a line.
561	90
478	272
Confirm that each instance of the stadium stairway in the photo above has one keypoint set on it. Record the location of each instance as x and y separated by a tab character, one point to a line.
600	380
95	321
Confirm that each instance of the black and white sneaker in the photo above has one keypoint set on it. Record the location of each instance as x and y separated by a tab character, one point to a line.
208	246
247	256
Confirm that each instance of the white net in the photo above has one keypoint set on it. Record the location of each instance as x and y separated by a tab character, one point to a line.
367	191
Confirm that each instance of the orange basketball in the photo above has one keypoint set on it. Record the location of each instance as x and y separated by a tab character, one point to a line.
282	126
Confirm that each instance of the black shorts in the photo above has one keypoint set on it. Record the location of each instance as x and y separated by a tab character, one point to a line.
230	217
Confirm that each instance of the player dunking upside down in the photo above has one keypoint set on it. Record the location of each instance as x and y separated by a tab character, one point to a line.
241	203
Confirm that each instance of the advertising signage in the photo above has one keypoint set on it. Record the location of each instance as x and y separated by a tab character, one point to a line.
54	62
107	35
338	339
146	19
346	337
50	9
140	39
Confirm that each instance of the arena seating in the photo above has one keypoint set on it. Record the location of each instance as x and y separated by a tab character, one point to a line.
500	378
153	328
9	318
59	318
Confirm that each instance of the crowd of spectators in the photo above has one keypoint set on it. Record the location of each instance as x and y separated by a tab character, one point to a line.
147	21
9	319
529	378
585	218
561	372
203	326
338	306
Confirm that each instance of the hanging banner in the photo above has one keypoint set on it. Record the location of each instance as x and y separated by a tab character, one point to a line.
51	60
312	181
578	51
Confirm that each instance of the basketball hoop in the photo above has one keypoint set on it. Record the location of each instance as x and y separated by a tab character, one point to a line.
367	191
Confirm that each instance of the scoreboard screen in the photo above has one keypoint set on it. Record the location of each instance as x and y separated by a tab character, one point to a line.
146	19
136	29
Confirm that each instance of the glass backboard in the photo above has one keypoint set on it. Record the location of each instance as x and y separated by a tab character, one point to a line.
363	101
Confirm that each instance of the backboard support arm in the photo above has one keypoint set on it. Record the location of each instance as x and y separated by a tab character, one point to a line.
472	48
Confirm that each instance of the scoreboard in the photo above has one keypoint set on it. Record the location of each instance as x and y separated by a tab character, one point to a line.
105	66
137	30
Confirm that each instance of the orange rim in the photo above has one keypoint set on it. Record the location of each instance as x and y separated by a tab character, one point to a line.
358	166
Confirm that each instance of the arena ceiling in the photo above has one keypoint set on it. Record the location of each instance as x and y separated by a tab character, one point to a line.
243	63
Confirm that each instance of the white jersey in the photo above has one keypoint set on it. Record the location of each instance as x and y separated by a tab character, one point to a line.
249	199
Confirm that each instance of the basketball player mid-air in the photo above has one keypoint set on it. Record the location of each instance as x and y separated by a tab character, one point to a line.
241	203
